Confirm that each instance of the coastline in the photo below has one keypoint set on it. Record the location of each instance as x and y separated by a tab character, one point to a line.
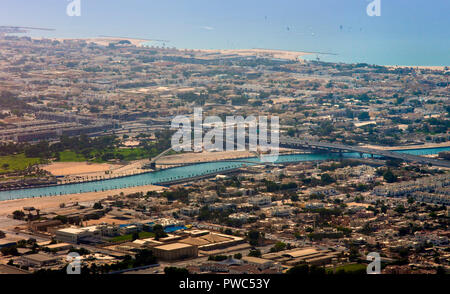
273	53
430	67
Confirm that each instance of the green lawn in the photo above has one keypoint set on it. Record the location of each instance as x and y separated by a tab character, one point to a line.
351	268
132	153
70	156
125	154
129	237
16	162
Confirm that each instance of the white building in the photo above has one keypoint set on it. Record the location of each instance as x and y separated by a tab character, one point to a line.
261	201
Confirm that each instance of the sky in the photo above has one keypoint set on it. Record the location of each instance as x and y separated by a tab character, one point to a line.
408	32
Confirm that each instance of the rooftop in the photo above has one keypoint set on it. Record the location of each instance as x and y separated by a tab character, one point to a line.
173	246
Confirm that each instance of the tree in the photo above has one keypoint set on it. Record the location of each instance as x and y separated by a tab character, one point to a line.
364	116
81	251
354	254
400	209
144	257
10	250
255	253
175	271
395	162
279	246
158	230
98	205
302	269
253	237
18	214
326	179
389	176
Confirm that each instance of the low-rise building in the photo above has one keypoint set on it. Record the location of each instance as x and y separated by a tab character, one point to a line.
175	251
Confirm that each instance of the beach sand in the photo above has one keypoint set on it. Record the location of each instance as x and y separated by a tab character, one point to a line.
281	54
8	206
418	67
104	41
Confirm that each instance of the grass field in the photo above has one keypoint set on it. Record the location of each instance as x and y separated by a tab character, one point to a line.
128	154
70	156
16	162
129	237
351	268
132	153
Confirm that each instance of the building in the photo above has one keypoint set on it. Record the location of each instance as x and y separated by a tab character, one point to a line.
213	241
38	259
44	225
71	235
74	235
11	270
307	255
260	263
260	201
59	246
175	251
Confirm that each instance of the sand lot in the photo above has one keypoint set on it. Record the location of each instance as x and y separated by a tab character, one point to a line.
8	206
76	168
203	156
206	156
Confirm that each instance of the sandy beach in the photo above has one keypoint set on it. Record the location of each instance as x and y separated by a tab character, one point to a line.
418	67
8	206
281	54
104	41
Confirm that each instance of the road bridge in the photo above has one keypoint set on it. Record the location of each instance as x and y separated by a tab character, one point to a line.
290	142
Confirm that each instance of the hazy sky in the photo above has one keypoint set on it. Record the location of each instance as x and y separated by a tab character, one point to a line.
408	32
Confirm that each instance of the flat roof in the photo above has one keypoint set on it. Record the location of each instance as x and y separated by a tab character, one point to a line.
71	230
173	246
58	245
301	252
40	257
11	270
256	260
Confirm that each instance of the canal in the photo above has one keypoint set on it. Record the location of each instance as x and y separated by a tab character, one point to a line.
179	173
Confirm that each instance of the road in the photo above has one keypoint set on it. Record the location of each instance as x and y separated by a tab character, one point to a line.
290	142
